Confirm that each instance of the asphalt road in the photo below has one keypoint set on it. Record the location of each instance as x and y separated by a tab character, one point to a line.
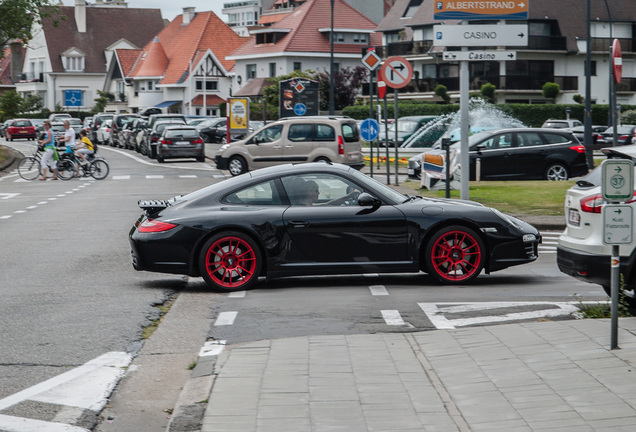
70	294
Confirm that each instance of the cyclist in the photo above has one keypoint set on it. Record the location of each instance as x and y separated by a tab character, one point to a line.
48	159
85	147
69	139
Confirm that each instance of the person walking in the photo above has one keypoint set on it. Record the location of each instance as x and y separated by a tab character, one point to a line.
48	159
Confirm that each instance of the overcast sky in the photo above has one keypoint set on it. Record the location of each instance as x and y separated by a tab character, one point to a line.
171	8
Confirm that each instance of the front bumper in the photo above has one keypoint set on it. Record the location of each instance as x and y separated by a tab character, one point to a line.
221	162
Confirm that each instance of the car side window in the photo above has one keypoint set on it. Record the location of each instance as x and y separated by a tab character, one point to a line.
555	138
260	194
325	133
269	134
529	139
300	132
320	190
505	141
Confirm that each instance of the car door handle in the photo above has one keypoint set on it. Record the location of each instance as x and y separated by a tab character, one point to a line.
298	223
277	147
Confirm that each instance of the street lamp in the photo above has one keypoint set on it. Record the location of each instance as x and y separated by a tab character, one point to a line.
331	95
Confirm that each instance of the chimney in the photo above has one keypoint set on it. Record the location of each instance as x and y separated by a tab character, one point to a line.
188	14
80	15
17	61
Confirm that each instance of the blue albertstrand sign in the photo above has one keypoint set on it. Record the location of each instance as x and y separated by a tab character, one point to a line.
475	10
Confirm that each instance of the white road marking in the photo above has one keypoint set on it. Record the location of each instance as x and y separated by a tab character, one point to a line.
436	314
87	386
154	177
8	195
237	294
226	318
5	217
378	290
121	177
392	317
188	176
211	348
18	424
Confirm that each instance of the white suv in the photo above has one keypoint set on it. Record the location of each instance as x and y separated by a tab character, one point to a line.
295	140
581	252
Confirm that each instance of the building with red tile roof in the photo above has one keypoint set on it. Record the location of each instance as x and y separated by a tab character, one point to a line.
184	68
300	41
67	60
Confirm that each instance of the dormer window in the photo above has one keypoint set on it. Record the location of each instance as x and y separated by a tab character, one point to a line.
73	60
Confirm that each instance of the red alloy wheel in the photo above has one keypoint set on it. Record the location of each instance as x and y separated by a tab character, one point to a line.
230	262
456	255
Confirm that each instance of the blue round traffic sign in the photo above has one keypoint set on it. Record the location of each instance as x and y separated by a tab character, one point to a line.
300	109
369	129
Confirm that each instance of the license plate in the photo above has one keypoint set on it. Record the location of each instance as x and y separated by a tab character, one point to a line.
182	142
23	131
574	217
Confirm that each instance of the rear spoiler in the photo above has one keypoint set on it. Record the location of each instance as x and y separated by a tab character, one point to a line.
151	207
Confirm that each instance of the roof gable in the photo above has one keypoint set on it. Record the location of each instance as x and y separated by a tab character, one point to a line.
104	27
303	30
183	44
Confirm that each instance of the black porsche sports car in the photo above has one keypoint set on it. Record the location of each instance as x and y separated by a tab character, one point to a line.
322	219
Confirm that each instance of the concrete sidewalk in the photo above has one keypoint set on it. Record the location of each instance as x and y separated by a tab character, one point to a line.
540	376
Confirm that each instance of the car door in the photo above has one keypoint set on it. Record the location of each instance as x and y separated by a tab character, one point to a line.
493	157
342	234
266	147
531	156
299	142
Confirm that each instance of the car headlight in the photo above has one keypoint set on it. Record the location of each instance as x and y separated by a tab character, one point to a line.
224	147
529	238
506	218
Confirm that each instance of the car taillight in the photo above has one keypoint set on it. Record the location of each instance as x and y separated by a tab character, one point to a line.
197	141
166	141
592	204
340	145
579	148
153	226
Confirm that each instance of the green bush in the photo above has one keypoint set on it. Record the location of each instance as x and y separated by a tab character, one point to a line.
551	90
628	117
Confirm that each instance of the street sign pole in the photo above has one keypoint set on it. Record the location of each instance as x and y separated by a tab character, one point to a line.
371	116
386	142
617	185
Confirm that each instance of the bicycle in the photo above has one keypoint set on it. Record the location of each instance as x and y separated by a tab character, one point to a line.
30	167
69	164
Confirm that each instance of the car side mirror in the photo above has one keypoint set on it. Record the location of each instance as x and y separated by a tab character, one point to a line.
368	200
480	148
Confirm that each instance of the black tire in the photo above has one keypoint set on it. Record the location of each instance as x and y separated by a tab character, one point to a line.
455	255
237	165
556	172
65	169
152	152
160	159
230	261
99	169
201	159
143	148
29	168
322	159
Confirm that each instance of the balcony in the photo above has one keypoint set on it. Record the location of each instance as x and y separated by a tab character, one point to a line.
31	77
604	44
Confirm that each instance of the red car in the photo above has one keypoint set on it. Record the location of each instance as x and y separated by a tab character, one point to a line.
20	128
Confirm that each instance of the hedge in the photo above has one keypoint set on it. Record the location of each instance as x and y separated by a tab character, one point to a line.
530	115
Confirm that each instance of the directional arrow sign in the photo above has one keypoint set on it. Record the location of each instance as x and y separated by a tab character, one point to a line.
480	35
617	179
480	10
480	55
617	223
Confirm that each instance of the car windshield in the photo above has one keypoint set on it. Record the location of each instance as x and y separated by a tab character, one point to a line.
404	126
556	125
390	194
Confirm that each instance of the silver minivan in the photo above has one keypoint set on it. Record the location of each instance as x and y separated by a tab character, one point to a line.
295	140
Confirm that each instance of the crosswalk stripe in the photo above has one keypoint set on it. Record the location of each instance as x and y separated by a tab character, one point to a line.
226	318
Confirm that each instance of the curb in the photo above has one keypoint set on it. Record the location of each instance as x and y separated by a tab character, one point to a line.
12	159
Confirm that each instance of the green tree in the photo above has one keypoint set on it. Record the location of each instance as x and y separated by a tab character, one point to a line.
488	92
32	103
18	16
10	105
551	90
100	102
442	91
628	117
